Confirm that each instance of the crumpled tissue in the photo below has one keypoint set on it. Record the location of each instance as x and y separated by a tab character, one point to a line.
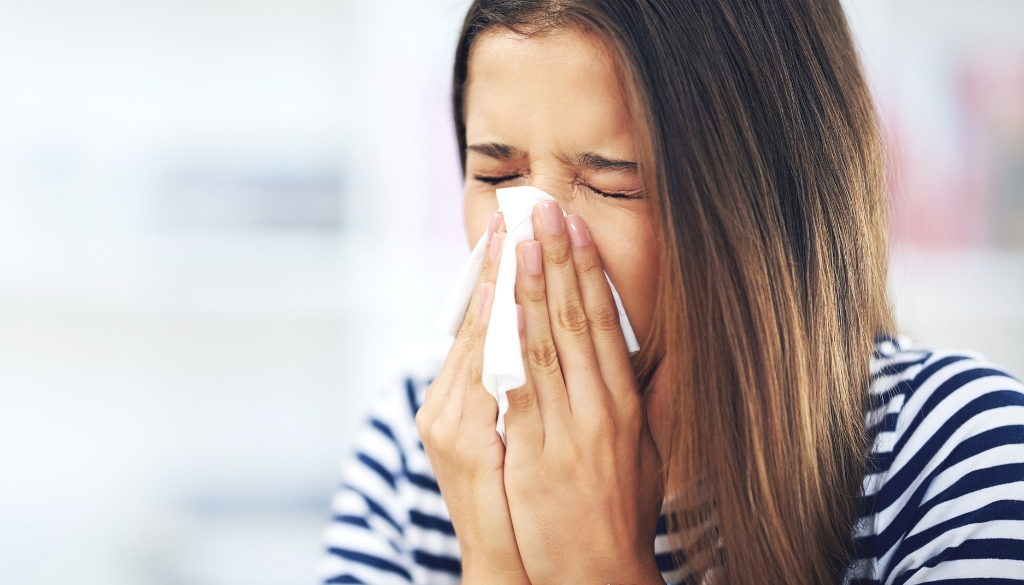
503	368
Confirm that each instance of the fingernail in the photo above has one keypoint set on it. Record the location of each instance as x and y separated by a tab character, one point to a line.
577	231
551	218
496	241
495	223
531	255
522	318
484	293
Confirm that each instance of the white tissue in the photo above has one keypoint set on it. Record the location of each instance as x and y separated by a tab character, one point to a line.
503	368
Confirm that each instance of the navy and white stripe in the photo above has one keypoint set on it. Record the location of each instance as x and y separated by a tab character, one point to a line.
943	498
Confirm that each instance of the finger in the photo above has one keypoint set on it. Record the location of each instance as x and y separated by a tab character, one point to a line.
602	313
465	337
569	328
480	409
524	423
494	251
470	336
541	357
467	378
473	311
473	352
472	361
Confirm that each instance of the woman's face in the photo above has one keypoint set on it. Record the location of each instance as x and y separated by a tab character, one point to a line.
549	111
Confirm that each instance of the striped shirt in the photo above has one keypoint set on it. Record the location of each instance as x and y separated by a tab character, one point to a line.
943	497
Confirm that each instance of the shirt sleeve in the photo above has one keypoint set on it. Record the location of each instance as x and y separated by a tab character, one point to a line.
962	514
364	541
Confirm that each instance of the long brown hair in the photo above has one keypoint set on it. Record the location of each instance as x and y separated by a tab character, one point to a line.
759	148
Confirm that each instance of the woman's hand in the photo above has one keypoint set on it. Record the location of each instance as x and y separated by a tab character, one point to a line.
582	472
456	425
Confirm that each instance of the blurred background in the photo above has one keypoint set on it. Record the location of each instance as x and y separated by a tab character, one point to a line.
226	225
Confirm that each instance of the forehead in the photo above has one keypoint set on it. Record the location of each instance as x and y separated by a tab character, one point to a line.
562	85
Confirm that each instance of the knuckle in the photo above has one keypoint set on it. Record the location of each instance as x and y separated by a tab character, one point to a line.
522	399
574	451
481	326
571	317
543	358
471	338
476	374
559	255
600	427
487	261
436	436
468	326
428	435
425	414
632	414
587	263
422	423
604	318
534	295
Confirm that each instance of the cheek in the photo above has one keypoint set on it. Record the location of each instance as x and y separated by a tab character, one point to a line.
630	253
478	208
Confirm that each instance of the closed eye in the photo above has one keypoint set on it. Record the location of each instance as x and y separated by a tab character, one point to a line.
504	178
614	195
495	180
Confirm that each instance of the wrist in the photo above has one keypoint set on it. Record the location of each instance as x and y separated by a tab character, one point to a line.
481	567
642	571
478	574
648	573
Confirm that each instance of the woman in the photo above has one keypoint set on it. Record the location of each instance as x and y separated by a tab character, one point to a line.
720	160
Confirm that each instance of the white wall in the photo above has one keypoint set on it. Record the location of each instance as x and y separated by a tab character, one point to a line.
177	394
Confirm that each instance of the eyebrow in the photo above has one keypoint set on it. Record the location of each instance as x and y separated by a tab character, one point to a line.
497	150
596	162
588	160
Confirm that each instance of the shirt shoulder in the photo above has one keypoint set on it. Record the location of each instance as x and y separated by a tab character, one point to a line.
394	414
944	493
389	522
922	399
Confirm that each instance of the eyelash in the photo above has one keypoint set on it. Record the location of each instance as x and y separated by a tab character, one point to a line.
495	180
499	180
